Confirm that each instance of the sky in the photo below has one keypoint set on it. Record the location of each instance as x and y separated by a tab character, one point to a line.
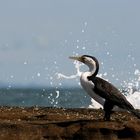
38	36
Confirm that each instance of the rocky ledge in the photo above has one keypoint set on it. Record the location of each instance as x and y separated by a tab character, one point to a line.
66	124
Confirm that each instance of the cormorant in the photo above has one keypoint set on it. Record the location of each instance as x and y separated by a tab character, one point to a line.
101	90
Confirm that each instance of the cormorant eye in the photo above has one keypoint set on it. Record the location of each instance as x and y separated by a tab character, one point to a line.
83	59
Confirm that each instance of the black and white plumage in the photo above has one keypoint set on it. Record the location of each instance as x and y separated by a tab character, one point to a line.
100	90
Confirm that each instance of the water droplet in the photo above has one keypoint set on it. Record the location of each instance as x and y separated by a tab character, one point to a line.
51	78
85	23
25	63
57	94
107	53
83	48
105	74
102	63
113	75
38	74
83	31
11	76
60	84
9	86
77	47
44	89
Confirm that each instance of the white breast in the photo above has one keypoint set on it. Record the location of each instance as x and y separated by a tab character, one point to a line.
88	87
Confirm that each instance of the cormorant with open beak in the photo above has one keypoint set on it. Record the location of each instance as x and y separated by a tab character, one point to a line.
100	90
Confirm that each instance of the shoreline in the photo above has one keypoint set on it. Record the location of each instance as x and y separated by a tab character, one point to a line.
48	123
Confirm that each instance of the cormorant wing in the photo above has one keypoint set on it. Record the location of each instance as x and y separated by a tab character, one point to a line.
110	92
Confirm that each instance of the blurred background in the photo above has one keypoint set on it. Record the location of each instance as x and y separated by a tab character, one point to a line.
37	37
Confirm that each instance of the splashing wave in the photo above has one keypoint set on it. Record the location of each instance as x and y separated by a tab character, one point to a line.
132	92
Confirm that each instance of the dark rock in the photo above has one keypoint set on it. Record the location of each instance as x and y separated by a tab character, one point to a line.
66	124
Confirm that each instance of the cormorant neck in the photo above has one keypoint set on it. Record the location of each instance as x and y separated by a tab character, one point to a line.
93	69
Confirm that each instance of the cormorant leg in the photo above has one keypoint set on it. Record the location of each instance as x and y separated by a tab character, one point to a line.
108	106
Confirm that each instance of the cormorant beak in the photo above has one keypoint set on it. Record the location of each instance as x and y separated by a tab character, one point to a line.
78	58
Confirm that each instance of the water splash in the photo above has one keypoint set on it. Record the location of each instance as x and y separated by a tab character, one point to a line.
78	72
57	94
131	89
134	99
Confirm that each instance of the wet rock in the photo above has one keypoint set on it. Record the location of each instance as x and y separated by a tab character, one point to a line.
66	124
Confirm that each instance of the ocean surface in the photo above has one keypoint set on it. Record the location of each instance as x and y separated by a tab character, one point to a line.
65	97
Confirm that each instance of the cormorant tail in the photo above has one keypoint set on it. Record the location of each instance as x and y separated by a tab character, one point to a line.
136	113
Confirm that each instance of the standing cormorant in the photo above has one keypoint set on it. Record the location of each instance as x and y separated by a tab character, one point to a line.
100	90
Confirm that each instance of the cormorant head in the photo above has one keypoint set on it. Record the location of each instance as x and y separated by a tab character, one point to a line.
90	61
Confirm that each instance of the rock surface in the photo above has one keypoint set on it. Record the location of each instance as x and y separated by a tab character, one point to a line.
66	124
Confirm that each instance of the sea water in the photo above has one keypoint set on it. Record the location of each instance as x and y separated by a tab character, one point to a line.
41	97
